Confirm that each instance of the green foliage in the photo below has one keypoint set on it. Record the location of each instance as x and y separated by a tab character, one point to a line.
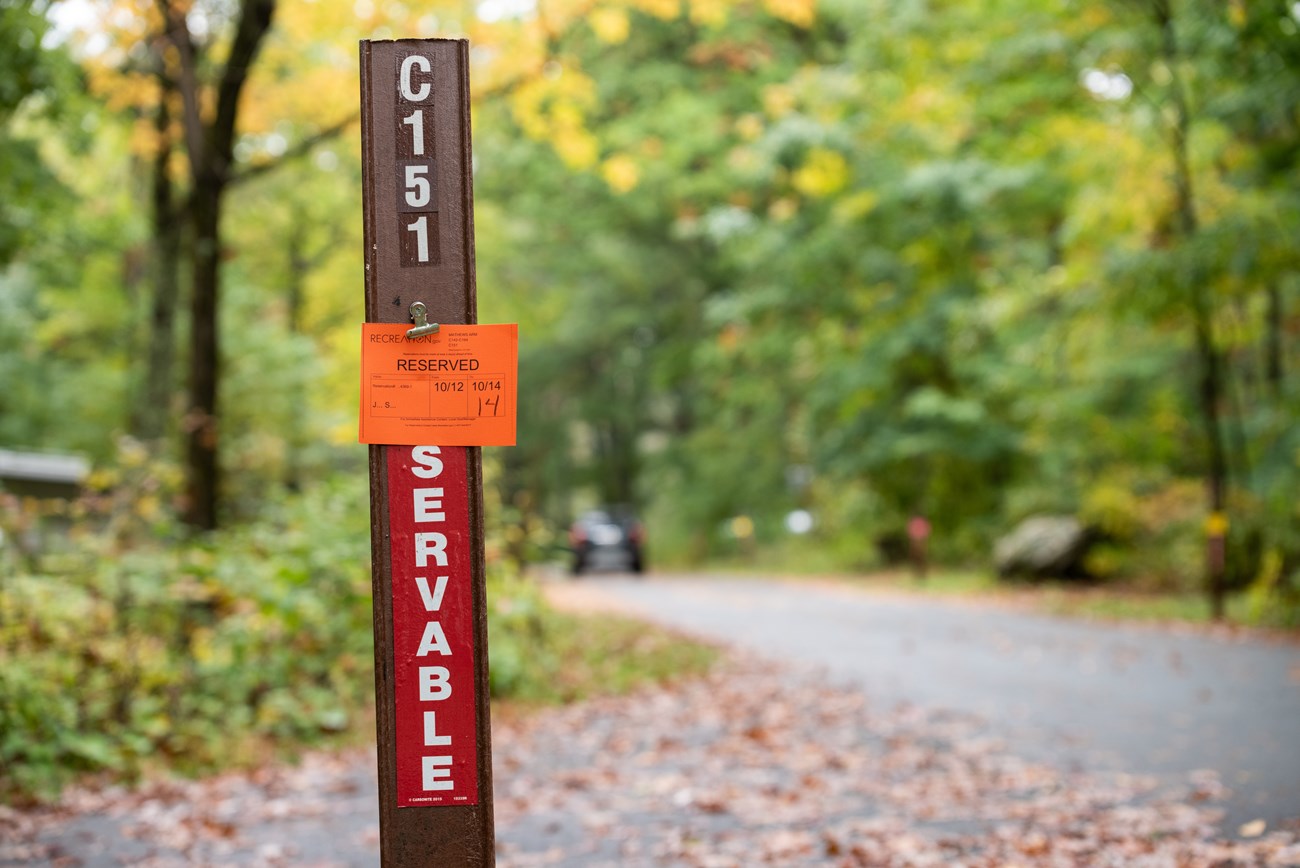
872	269
32	81
122	652
127	647
845	259
840	258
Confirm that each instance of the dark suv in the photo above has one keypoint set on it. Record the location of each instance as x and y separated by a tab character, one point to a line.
608	539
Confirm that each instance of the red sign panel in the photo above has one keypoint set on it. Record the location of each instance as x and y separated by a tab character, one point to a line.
433	626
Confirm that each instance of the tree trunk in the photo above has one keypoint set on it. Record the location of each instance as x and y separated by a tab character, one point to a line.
299	267
1211	392
150	422
1273	341
205	355
210	145
1210	361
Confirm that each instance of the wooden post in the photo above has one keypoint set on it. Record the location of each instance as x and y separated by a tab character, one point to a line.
426	502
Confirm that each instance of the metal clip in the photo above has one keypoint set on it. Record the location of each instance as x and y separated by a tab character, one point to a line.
419	315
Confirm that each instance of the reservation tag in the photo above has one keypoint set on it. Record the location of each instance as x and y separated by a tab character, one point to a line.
456	387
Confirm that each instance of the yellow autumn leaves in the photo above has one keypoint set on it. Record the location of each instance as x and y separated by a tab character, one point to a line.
620	173
823	173
555	104
553	107
611	23
611	26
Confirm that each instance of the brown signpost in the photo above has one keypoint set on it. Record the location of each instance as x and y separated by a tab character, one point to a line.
426	502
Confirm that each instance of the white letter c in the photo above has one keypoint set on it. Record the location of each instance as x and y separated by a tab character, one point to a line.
404	81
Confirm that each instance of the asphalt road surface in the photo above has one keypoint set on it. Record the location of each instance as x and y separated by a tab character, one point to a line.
1139	699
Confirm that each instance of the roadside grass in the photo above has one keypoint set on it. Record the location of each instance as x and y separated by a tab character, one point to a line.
1108	602
543	656
1115	604
1082	600
614	655
1126	607
1266	605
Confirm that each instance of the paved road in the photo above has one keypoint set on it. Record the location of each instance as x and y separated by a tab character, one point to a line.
1079	696
1094	696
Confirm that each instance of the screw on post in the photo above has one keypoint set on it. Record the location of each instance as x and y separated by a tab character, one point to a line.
420	316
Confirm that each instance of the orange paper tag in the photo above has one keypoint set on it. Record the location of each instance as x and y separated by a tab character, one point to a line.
455	387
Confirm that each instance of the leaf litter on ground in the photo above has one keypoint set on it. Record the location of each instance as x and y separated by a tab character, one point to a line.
754	764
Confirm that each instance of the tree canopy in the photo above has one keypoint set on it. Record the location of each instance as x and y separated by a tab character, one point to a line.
871	260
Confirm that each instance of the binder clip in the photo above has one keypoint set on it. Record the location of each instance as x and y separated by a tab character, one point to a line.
420	316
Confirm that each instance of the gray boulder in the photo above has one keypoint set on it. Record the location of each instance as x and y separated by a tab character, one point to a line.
1043	546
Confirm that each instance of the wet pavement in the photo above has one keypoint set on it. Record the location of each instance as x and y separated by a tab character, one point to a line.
1095	696
846	727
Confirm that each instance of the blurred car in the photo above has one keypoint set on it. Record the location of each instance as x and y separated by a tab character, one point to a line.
607	539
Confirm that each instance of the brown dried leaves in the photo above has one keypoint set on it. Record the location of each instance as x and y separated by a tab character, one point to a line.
758	767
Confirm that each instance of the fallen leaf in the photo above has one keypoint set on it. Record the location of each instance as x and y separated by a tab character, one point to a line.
1253	829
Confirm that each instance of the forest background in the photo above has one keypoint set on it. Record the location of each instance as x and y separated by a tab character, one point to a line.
972	261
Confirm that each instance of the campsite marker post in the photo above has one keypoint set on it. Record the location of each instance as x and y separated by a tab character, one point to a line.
426	502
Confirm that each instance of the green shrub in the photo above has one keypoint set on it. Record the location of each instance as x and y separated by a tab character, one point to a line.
134	648
137	651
